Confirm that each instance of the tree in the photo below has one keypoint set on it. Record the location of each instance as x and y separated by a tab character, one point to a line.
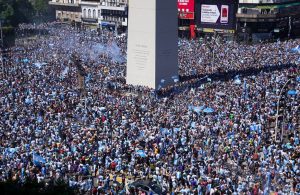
13	12
40	6
42	10
6	9
23	12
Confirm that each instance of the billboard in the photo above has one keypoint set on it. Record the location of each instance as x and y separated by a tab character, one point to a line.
186	9
216	14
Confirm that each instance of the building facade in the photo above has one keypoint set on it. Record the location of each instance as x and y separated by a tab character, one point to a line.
248	19
268	19
90	12
114	14
186	18
67	10
103	13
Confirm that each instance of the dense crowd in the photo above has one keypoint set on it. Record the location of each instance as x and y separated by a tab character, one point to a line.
213	138
215	55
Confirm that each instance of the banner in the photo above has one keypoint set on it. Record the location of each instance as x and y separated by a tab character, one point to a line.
37	159
186	9
192	31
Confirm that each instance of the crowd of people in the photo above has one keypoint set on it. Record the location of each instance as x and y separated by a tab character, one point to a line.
214	137
215	55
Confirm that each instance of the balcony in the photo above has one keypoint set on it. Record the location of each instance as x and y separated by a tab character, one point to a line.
89	20
118	6
89	2
64	4
257	17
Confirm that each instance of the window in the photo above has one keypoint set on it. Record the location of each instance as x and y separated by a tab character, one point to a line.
84	13
89	13
94	13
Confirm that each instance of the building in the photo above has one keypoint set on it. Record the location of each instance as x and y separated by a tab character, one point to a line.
268	19
90	12
248	19
114	14
186	18
67	10
110	14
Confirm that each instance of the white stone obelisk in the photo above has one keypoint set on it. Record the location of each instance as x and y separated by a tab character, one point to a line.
152	57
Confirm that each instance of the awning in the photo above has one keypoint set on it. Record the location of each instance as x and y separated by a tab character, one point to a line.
211	30
91	20
289	5
267	6
107	24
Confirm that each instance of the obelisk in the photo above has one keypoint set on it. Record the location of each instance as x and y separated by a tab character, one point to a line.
152	57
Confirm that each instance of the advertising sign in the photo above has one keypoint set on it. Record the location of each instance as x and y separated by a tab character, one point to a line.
224	14
216	14
186	9
209	13
185	15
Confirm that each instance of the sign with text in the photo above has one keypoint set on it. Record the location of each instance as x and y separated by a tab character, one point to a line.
186	9
209	13
216	14
224	14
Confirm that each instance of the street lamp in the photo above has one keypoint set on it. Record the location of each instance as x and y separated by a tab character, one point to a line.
1	32
277	110
214	38
290	27
2	46
97	140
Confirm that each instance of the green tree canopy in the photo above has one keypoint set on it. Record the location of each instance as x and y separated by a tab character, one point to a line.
13	12
40	6
6	9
